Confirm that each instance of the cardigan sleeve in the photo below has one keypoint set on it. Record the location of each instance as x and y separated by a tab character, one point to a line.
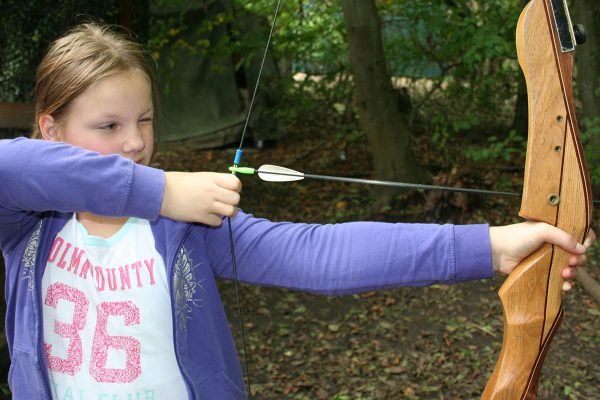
350	257
39	175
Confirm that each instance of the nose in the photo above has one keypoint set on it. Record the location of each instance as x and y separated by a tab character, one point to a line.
134	140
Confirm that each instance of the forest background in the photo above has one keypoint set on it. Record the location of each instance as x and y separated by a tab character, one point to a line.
451	107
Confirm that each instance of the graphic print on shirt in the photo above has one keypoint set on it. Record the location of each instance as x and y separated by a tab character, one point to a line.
30	255
108	329
186	288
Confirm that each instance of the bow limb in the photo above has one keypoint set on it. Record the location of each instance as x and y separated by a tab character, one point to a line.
556	191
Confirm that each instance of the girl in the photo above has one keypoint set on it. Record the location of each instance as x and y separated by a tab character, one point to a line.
111	264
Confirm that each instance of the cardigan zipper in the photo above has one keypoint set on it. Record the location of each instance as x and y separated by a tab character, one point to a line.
37	301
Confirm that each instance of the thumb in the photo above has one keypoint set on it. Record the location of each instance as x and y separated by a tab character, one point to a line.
562	239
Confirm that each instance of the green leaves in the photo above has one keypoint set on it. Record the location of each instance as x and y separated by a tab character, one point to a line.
460	61
498	148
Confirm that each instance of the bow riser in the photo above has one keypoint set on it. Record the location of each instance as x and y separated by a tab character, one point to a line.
553	131
556	191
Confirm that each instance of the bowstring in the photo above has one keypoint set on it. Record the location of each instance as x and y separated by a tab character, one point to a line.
236	161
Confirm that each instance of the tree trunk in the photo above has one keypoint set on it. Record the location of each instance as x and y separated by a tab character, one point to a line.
521	119
377	101
587	13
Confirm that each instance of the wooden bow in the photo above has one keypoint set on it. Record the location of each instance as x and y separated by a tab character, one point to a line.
556	191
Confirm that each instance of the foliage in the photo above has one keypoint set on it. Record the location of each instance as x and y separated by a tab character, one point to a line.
498	148
309	45
308	41
28	27
456	58
308	32
460	59
26	30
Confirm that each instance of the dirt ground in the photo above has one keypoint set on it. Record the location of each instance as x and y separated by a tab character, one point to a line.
439	342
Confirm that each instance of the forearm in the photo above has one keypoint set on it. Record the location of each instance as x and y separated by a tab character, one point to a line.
353	257
40	176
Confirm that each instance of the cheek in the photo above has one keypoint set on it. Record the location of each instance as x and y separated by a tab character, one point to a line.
148	134
92	141
106	145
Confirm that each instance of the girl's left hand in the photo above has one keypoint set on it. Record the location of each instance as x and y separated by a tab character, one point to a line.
512	243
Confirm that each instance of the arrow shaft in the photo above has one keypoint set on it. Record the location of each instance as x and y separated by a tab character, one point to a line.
401	185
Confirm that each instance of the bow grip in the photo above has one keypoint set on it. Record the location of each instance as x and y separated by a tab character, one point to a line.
530	321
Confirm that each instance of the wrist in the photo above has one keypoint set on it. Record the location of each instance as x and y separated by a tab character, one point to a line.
494	248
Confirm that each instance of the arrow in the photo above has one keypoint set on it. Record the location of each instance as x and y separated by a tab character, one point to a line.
274	173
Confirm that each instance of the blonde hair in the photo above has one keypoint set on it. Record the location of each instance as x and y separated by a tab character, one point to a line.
74	62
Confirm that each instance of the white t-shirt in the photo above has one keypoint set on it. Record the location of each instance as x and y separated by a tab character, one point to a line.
108	328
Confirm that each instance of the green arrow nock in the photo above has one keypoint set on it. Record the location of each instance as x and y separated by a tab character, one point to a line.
243	170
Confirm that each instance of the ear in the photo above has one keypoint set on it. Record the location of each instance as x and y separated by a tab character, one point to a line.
49	128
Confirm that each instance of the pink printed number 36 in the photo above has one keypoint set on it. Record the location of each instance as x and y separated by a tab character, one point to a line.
102	340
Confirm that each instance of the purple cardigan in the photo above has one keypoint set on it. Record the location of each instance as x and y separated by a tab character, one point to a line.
43	183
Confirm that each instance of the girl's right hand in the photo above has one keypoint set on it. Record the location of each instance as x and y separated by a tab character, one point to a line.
203	197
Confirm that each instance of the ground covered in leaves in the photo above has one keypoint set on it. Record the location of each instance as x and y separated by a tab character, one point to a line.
439	342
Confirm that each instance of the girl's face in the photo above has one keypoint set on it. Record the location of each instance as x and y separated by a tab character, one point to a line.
114	116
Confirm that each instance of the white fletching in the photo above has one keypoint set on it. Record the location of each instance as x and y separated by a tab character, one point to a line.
275	173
